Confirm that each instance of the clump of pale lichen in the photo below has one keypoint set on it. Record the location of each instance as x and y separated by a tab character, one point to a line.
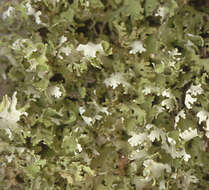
99	94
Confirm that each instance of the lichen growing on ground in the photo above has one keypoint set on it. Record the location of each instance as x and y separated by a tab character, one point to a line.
104	95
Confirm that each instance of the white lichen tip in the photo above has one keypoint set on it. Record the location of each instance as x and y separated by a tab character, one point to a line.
90	49
182	115
8	13
79	147
189	100
192	91
116	79
55	91
167	93
162	11
188	134
147	91
204	116
88	120
155	169
195	90
64	50
137	46
31	11
9	115
137	139
10	109
63	39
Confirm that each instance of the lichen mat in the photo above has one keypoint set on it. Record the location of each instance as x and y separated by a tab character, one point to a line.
104	95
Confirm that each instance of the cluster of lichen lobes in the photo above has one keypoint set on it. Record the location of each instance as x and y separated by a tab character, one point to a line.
106	95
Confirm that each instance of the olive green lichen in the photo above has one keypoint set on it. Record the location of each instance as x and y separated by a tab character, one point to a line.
104	95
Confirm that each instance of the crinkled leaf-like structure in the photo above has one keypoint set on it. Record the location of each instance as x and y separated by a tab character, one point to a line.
104	94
